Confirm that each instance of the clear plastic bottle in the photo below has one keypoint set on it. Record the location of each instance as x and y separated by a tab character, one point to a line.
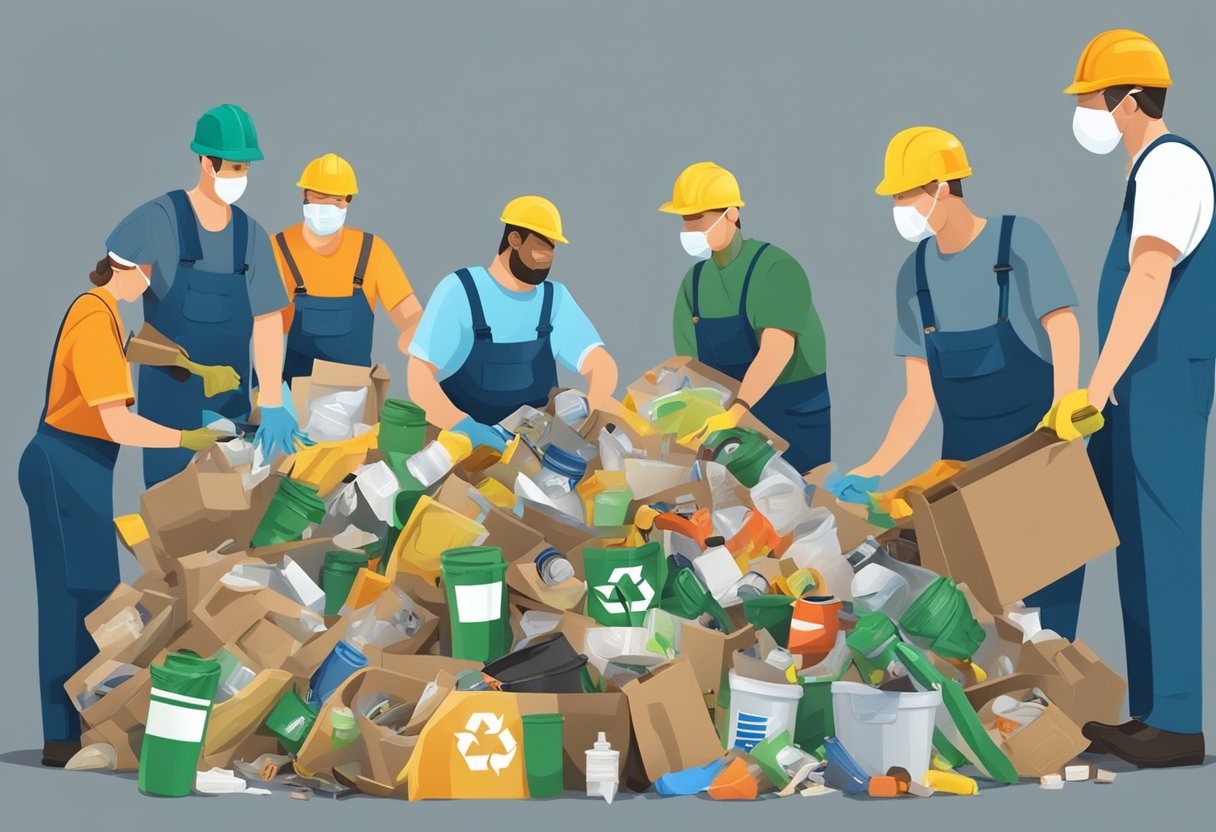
433	462
560	472
603	769
615	448
553	568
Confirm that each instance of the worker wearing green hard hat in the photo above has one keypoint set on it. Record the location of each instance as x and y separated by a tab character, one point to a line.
215	287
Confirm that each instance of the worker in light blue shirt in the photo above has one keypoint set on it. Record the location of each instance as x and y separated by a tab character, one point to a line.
490	339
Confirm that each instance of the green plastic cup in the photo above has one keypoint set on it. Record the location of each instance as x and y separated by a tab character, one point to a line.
611	508
293	508
291	721
623	584
744	452
183	689
772	613
338	576
474	580
543	754
941	616
402	427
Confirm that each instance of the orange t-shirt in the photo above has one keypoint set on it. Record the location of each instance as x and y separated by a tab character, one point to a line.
89	367
331	275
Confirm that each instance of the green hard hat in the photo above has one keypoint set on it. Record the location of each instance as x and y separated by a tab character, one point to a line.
226	131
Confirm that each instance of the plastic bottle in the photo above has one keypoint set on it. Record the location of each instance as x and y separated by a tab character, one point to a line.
433	462
345	729
553	568
783	660
560	472
571	407
615	448
871	551
602	769
716	568
529	423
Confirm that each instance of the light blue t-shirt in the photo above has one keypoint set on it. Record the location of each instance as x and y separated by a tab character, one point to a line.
965	293
149	235
445	333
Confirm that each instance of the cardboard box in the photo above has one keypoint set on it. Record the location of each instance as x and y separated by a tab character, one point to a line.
709	652
329	377
1015	520
1044	746
200	572
226	613
532	592
584	715
234	720
672	730
1075	679
517	539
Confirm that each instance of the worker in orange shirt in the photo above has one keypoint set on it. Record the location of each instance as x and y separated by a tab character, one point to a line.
66	476
335	275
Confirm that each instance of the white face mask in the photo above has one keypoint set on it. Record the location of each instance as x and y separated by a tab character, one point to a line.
911	224
1096	130
323	219
230	189
696	243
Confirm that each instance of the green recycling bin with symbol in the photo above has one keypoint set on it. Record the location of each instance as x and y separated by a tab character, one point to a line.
623	584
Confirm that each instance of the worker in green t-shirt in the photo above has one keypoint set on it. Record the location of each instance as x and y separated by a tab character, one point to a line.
745	309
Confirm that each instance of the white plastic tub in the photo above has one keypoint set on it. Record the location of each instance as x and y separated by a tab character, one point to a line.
881	729
760	709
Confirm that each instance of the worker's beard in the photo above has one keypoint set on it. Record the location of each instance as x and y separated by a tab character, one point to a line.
533	277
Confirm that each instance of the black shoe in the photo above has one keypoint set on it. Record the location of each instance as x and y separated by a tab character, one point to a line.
1148	747
56	753
1098	732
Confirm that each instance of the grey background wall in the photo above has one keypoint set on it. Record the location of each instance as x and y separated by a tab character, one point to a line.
447	110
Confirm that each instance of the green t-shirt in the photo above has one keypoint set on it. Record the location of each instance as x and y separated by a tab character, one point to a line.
779	297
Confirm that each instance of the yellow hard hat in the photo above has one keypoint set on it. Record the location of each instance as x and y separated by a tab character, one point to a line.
535	213
329	174
703	187
1119	57
920	155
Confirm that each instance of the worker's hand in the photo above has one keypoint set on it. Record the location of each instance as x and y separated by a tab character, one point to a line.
854	488
1073	417
199	439
480	435
723	421
278	433
216	378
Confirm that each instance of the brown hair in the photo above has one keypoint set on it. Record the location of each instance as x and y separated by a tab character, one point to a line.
1151	100
102	272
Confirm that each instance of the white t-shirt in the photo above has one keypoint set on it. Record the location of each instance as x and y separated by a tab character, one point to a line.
1173	198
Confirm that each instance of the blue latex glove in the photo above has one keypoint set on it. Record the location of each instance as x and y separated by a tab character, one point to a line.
690	780
278	432
855	489
479	434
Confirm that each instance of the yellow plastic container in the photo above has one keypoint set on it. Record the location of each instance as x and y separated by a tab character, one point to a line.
325	464
598	483
950	782
432	529
368	586
497	493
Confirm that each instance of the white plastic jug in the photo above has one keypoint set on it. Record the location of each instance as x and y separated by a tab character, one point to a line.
760	709
879	589
881	728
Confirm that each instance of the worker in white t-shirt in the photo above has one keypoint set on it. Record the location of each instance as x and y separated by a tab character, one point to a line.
1154	383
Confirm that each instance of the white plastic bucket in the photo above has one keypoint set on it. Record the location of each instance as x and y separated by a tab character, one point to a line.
760	709
625	645
881	729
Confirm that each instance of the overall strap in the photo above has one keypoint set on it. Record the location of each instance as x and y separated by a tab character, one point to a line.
696	290
240	241
281	240
747	280
927	319
189	250
545	326
50	370
1003	268
481	330
365	254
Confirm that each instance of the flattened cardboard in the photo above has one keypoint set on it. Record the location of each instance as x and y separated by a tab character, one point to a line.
672	729
522	578
226	613
1075	679
516	538
709	652
267	645
1044	746
1015	520
233	720
200	572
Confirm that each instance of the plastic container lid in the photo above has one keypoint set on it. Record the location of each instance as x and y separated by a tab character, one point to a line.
565	463
342	719
716	540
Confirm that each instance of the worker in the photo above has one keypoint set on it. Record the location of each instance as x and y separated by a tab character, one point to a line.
745	309
335	275
1153	381
215	287
985	324
490	338
66	476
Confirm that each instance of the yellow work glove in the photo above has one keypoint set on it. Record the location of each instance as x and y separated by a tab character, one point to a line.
723	421
199	439
216	378
1073	417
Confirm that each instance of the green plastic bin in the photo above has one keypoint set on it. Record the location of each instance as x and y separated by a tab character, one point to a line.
623	584
338	576
183	689
942	618
402	427
290	721
543	754
293	508
474	579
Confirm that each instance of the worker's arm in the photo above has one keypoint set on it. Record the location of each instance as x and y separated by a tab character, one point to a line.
909	422
405	317
1065	337
127	428
600	371
268	358
776	349
1139	305
426	393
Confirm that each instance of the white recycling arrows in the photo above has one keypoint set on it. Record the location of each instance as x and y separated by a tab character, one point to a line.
488	725
634	573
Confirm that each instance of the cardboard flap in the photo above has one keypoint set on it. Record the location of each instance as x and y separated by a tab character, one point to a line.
1002	457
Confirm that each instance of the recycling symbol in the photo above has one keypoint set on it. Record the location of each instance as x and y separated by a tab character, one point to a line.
608	590
488	726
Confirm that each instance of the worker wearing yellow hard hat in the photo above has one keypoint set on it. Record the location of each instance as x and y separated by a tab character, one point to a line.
491	337
745	309
1153	382
336	274
985	325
